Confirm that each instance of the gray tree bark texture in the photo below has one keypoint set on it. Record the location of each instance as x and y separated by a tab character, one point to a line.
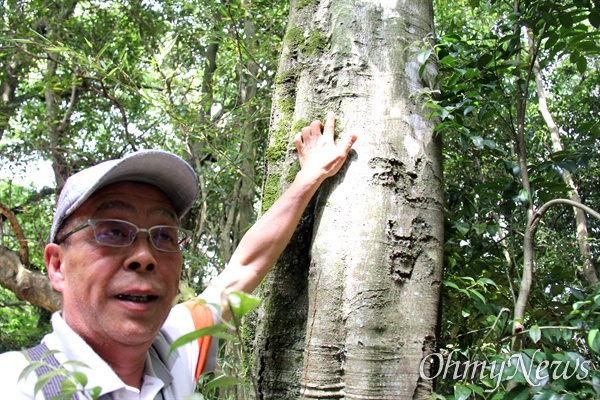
350	311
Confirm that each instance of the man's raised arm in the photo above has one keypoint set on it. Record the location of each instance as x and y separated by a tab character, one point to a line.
264	242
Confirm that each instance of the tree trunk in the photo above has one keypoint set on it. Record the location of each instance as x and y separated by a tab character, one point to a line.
588	271
58	125
351	308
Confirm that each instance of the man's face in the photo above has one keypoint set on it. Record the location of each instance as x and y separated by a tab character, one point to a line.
117	294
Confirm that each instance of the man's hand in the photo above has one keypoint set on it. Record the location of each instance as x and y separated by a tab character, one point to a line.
264	242
317	151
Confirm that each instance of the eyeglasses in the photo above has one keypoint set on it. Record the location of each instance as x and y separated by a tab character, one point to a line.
119	233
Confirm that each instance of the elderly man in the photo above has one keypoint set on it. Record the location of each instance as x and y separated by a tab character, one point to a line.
115	256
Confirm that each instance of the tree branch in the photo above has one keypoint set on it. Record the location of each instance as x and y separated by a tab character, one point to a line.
528	251
31	286
23	248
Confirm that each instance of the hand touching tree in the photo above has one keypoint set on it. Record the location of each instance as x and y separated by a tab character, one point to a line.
317	150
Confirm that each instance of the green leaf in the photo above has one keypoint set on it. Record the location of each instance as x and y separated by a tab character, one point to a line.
30	368
552	39
477	294
67	388
448	60
42	380
579	304
480	228
106	46
24	41
80	378
469	109
484	60
477	389
518	393
566	20
490	144
95	392
477	141
594	18
423	56
223	382
190	337
474	3
450	284
523	197
593	339
487	281
535	333
242	303
493	229
582	65
462	227
462	392
470	73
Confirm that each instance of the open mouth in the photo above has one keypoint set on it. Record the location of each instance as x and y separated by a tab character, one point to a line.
136	298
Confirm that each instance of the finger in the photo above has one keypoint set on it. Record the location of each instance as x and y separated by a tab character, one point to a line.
298	140
315	128
348	143
329	130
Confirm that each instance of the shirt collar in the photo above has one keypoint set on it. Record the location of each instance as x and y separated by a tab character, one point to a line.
73	348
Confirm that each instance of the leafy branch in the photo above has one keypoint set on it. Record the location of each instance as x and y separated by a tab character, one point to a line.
74	382
528	259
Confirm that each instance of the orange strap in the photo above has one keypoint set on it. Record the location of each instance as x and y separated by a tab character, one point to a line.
202	317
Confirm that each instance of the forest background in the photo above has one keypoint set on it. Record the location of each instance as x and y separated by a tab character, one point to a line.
517	99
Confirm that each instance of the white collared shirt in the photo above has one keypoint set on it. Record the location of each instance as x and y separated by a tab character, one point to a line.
180	372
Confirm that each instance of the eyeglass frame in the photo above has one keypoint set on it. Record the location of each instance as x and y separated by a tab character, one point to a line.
92	223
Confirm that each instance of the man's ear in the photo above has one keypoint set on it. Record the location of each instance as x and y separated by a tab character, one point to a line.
53	261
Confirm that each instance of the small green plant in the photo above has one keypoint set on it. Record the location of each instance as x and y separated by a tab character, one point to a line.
74	382
240	305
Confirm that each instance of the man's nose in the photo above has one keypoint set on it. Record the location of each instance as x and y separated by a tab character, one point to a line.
142	254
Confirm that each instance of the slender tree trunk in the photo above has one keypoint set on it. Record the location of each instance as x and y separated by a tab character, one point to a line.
58	120
528	241
351	309
247	192
8	87
588	271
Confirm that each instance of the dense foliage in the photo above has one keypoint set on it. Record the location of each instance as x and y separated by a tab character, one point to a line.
490	112
82	81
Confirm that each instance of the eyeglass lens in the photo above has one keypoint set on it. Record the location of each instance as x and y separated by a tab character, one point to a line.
121	233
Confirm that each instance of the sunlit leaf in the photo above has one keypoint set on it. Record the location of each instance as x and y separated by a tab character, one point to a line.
242	303
593	340
535	333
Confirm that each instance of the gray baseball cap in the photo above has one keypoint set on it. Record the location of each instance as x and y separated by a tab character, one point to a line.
168	172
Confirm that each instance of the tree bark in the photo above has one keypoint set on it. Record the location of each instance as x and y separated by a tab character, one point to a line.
27	285
351	308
